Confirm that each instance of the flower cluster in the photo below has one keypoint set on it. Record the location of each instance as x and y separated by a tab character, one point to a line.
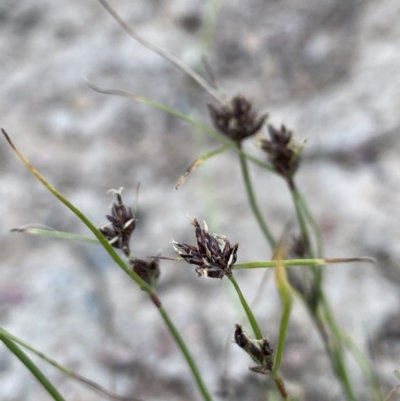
259	350
236	120
281	151
214	256
122	223
148	271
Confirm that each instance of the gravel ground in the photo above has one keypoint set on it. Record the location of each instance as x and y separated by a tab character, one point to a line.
327	69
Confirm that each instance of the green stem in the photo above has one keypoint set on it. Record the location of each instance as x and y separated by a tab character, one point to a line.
253	203
333	346
300	218
247	309
286	308
317	235
193	367
337	350
32	367
300	262
313	224
364	365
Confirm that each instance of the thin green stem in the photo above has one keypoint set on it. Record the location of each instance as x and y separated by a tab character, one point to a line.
333	345
337	349
313	224
360	358
300	262
300	218
44	381
253	203
247	309
286	300
208	28
193	367
317	235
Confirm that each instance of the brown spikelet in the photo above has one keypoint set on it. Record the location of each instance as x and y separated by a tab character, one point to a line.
214	256
236	119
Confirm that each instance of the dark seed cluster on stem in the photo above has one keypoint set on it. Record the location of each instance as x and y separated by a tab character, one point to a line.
236	120
147	271
259	350
122	224
281	151
214	255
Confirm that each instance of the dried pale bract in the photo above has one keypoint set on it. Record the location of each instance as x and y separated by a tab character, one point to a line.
236	120
259	350
122	223
214	256
148	271
281	150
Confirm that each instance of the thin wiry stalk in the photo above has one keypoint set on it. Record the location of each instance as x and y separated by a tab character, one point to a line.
193	367
286	301
301	220
247	309
67	371
360	358
207	32
333	345
391	395
318	273
44	381
164	54
313	224
142	284
300	262
337	349
55	234
258	334
253	203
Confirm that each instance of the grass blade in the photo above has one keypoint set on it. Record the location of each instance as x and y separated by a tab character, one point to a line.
44	381
55	234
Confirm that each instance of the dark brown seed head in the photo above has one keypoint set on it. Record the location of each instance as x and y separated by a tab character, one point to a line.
236	120
281	150
259	350
214	256
148	271
122	223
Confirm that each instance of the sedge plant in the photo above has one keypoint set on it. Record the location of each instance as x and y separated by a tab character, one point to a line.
234	121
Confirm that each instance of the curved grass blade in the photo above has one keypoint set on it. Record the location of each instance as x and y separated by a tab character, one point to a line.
253	202
55	234
44	381
391	395
200	160
67	371
286	300
164	54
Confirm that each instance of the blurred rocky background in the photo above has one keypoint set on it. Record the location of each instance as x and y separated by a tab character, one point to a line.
328	69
